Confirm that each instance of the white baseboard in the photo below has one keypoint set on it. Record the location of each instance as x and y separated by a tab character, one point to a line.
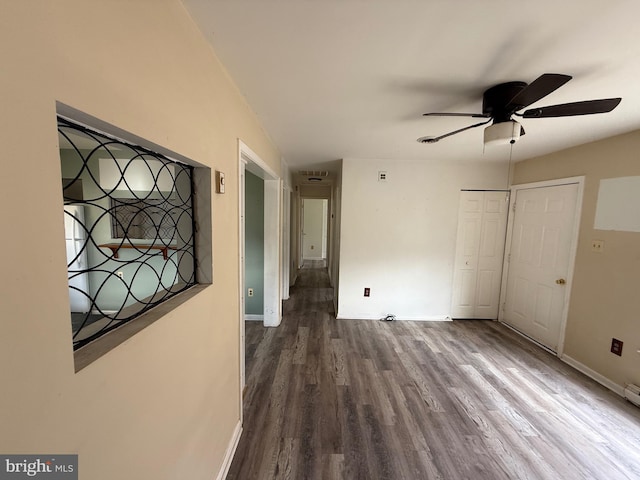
436	318
251	317
601	379
231	450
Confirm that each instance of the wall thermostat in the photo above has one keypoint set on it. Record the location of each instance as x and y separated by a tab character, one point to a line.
219	182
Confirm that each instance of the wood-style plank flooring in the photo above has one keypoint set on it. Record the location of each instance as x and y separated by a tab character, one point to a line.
346	399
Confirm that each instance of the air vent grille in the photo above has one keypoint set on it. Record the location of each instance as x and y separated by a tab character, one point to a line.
314	173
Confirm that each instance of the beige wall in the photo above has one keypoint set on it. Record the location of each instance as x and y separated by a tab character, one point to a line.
605	300
398	237
164	404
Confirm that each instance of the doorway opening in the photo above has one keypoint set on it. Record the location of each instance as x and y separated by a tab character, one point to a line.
263	179
254	247
315	214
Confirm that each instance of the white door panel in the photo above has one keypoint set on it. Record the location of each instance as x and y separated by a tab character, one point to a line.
479	254
540	254
486	288
467	288
489	244
471	228
314	228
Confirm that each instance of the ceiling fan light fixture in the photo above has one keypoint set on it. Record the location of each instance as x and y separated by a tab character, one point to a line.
503	133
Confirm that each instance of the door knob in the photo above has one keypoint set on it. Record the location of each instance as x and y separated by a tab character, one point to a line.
561	281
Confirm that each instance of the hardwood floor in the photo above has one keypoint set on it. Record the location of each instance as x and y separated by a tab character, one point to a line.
345	399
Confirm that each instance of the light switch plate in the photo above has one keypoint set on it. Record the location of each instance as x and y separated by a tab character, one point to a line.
219	182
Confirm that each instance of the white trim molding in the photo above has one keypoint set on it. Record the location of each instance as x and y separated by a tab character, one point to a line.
248	160
601	379
231	450
433	318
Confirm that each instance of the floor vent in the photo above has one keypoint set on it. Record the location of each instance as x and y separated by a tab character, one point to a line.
632	393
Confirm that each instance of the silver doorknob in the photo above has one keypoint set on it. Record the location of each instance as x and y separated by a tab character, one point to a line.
561	281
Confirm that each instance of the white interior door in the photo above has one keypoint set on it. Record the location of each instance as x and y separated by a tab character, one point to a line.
482	224
539	262
314	236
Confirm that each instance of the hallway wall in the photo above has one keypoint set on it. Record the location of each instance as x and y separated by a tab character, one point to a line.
166	403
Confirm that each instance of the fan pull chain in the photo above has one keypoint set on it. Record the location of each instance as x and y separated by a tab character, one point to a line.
509	170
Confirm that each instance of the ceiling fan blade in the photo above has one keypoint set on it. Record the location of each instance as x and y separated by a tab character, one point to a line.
587	107
539	88
441	114
436	139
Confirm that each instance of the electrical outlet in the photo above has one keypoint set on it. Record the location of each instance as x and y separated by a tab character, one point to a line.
616	346
597	246
120	274
250	292
367	291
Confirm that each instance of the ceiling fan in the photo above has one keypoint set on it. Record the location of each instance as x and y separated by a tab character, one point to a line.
502	102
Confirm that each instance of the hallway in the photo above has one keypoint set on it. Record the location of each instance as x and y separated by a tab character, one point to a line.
346	399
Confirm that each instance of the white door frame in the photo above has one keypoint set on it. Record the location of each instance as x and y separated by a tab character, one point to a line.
286	240
572	251
329	227
249	160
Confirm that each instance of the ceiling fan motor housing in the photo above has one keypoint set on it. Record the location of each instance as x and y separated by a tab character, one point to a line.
496	99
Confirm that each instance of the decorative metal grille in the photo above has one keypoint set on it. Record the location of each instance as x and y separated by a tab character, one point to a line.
129	229
147	219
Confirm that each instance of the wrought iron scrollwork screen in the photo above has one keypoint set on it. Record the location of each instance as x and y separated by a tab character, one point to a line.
129	229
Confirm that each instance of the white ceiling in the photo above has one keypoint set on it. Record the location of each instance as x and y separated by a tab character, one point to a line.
331	79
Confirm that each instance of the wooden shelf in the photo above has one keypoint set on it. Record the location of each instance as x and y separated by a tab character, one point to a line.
114	247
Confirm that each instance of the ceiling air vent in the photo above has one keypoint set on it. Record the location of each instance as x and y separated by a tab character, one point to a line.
313	173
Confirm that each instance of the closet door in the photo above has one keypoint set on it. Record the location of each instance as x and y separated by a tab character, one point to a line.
482	224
